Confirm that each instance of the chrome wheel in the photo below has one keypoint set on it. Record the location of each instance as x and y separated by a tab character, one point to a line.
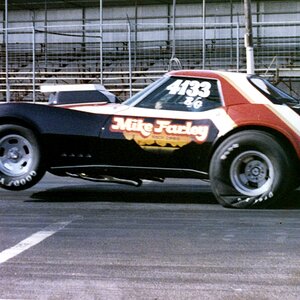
21	164
16	155
252	173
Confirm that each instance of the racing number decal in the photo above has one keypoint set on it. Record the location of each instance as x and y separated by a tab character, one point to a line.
193	90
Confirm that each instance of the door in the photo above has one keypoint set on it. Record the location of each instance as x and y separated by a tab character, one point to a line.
172	126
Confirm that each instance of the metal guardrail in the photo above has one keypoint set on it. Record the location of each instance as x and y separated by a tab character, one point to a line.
133	55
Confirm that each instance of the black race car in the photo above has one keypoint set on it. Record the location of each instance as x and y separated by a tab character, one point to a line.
238	131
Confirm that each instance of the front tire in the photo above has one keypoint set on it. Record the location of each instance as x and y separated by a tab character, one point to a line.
250	169
20	158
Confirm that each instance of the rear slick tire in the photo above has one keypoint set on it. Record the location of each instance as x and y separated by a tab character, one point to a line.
250	169
20	158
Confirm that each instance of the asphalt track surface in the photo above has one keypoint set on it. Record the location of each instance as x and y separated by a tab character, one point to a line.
70	239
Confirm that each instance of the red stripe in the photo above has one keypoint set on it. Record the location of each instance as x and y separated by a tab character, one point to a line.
261	115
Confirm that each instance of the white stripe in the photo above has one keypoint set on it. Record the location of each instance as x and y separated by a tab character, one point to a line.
34	239
289	117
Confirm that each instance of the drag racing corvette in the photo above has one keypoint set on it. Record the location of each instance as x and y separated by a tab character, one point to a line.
236	130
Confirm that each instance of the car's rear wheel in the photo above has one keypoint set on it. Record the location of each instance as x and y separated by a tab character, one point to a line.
20	158
250	169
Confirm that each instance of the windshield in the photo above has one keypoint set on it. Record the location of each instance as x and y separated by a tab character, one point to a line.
183	94
143	93
273	93
179	94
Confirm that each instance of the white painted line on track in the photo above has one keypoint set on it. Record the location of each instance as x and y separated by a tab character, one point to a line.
35	239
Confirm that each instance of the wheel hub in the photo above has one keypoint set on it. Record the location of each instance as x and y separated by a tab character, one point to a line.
252	173
14	154
255	171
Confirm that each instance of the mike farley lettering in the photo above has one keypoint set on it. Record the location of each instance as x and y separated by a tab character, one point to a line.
142	131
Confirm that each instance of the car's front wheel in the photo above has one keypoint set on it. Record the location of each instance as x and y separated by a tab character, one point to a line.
250	169
20	158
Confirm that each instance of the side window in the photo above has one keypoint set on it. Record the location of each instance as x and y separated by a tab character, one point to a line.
184	94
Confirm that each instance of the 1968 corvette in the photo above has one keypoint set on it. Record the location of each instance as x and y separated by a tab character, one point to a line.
236	130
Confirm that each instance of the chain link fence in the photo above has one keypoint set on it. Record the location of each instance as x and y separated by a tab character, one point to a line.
127	57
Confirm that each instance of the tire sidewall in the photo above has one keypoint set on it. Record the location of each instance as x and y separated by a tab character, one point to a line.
222	160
